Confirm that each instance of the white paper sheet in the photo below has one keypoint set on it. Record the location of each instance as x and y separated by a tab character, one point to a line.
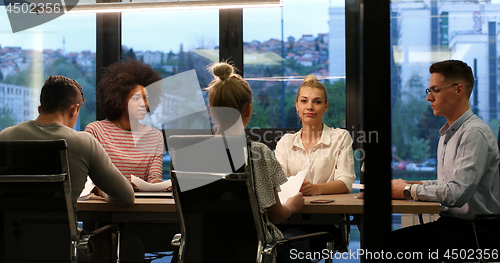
292	186
89	186
144	186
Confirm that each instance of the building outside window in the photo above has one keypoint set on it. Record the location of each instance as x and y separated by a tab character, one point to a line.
424	32
174	43
283	45
64	46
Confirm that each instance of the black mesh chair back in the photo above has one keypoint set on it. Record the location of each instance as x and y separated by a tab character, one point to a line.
269	137
220	218
37	217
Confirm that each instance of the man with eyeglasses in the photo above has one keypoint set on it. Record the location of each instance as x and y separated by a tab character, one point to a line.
468	181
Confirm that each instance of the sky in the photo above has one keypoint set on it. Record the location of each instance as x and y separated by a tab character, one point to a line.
165	31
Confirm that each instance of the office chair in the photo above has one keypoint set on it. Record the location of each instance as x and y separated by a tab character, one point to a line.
482	245
37	211
479	217
476	220
216	201
270	137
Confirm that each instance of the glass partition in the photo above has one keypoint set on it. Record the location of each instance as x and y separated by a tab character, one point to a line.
424	32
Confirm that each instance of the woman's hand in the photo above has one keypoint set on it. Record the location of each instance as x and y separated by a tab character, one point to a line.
308	188
156	180
296	201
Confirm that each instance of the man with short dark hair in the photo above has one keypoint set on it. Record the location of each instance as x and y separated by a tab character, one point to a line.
60	102
468	180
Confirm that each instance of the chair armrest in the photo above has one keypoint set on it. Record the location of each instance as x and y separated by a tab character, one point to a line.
91	245
328	237
485	216
325	235
83	243
176	241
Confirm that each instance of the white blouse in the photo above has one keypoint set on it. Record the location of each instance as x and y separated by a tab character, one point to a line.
329	160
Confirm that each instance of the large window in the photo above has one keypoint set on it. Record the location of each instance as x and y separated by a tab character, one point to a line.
424	32
64	46
175	43
283	45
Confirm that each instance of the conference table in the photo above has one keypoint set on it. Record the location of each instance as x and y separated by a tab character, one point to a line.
96	209
346	210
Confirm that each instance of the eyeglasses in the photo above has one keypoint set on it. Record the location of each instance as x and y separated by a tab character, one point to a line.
435	90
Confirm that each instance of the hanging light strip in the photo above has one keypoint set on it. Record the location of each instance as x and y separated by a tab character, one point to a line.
168	6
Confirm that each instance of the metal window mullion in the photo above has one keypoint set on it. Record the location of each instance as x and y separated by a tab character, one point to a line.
108	46
368	76
231	37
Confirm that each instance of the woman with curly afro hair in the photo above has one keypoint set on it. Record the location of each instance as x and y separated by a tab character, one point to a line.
135	149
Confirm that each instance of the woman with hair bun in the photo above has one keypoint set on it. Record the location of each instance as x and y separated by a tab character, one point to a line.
230	90
325	152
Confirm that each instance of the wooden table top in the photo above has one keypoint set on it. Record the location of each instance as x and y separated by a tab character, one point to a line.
344	204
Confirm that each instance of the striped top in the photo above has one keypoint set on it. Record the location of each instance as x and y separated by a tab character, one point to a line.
139	153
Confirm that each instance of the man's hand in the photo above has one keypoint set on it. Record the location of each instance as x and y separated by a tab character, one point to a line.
96	191
134	186
398	185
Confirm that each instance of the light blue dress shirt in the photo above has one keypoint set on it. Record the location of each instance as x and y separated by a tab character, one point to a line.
468	181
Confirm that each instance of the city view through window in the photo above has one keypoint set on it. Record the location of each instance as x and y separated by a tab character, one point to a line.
64	46
424	32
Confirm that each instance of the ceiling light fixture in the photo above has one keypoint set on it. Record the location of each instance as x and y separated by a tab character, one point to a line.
169	5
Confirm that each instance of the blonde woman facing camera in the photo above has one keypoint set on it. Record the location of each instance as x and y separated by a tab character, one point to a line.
230	90
325	153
